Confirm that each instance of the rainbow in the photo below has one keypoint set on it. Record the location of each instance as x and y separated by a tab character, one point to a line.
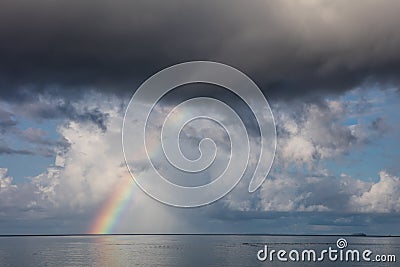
110	213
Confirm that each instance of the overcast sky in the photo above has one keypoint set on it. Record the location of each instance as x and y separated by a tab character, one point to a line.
330	70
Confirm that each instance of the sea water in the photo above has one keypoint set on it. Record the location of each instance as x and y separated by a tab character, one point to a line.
187	250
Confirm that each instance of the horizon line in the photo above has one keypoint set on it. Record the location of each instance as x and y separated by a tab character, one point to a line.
194	234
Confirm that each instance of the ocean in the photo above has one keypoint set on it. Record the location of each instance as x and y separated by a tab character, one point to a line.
197	250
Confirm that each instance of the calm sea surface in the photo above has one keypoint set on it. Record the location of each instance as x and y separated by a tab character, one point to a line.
177	250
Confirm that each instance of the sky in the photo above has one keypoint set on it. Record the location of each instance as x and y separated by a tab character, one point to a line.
329	69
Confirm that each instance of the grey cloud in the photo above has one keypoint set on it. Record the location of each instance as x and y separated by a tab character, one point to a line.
273	222
36	135
289	48
48	107
380	125
319	193
34	140
7	121
308	133
311	132
45	151
6	150
40	138
21	201
95	116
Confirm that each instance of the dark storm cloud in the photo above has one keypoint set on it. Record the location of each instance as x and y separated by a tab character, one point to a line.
290	48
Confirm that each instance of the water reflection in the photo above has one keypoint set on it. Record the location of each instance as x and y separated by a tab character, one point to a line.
173	250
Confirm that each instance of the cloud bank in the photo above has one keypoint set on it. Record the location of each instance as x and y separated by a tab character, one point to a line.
85	173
